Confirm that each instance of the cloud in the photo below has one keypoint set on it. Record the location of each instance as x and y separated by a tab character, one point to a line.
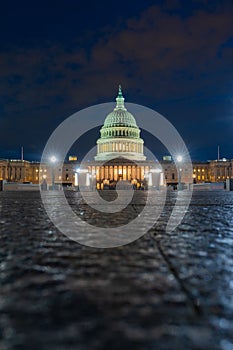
158	55
150	49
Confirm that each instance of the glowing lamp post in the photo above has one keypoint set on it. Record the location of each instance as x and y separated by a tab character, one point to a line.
53	161
179	160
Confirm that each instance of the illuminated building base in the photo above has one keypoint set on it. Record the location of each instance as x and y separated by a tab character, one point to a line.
140	175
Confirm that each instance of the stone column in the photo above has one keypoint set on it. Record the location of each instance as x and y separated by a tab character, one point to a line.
87	180
161	180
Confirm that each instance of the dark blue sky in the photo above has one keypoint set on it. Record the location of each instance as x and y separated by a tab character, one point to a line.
174	56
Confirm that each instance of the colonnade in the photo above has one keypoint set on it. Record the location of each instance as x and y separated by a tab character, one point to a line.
99	176
121	146
123	172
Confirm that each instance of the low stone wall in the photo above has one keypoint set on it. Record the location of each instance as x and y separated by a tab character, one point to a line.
229	184
211	186
14	186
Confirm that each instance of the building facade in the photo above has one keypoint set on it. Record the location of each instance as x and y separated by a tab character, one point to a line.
65	174
120	157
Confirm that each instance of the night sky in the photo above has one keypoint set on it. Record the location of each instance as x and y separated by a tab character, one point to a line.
174	56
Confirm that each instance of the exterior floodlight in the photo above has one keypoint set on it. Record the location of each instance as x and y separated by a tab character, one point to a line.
179	185
179	158
53	159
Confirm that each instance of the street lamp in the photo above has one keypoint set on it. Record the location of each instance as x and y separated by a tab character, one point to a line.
53	160
179	160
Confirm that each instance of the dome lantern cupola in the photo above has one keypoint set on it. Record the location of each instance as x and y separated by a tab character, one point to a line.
120	100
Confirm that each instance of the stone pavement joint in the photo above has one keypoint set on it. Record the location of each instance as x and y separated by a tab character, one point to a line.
190	298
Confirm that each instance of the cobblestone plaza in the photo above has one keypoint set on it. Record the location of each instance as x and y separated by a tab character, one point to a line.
164	291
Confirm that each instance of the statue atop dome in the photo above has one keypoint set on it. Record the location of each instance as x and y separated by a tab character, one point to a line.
120	100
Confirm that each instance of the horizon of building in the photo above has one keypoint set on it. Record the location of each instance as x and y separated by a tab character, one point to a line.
120	156
23	171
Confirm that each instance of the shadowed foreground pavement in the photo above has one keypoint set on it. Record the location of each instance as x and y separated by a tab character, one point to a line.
164	291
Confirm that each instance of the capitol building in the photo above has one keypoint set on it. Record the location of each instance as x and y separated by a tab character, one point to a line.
120	155
119	159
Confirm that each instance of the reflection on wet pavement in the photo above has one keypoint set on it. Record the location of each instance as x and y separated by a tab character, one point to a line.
164	291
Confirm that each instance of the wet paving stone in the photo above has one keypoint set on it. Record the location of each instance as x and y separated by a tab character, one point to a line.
163	291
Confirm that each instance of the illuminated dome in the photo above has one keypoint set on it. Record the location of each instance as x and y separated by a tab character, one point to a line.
120	116
120	135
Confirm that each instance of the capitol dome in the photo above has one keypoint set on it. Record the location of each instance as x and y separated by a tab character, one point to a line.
120	135
120	116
